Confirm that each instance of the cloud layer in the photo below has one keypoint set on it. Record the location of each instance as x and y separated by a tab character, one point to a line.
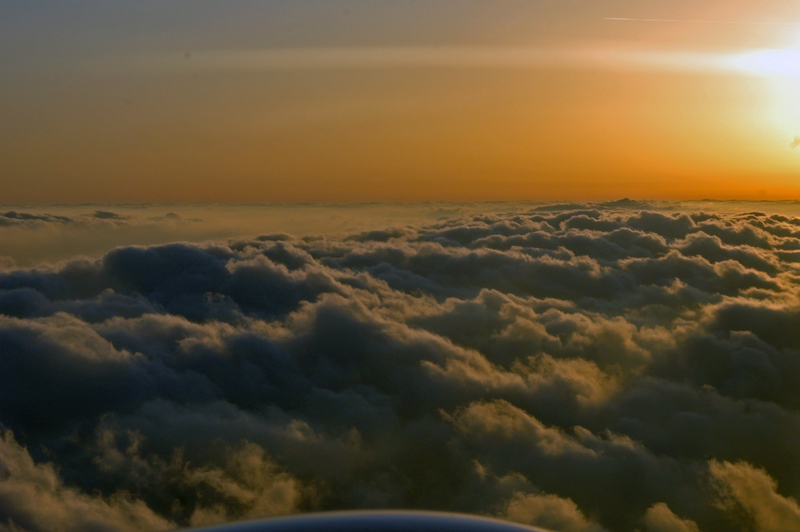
581	368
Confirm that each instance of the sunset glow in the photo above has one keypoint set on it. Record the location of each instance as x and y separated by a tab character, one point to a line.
394	265
777	63
510	102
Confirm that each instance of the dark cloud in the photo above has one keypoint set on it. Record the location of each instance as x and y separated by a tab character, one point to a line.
108	215
611	367
9	218
34	219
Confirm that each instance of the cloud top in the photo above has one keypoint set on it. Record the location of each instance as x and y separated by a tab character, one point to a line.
584	368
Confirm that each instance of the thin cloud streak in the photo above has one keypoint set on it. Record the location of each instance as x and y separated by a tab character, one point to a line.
700	21
483	57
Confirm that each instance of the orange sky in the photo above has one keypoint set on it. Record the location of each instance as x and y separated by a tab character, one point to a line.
383	101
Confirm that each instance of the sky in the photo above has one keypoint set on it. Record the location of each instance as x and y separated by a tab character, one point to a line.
531	260
385	100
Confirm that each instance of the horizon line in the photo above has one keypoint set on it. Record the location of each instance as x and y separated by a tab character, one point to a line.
388	202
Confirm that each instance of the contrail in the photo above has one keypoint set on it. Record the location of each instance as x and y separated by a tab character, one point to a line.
703	21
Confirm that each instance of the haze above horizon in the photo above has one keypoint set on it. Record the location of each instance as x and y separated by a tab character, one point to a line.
359	101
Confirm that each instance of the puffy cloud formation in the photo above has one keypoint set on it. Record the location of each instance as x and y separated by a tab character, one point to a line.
582	368
31	235
551	512
33	497
752	491
659	518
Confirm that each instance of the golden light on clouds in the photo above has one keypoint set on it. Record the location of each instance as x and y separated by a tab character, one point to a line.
481	256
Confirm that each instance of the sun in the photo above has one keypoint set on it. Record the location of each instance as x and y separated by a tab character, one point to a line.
780	70
773	63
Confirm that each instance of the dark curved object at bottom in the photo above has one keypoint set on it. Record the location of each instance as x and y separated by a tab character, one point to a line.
374	522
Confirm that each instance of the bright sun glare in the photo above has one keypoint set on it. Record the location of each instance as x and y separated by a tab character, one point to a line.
781	68
782	63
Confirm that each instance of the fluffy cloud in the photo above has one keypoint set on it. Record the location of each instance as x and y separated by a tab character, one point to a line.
742	486
551	512
33	497
659	518
584	368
